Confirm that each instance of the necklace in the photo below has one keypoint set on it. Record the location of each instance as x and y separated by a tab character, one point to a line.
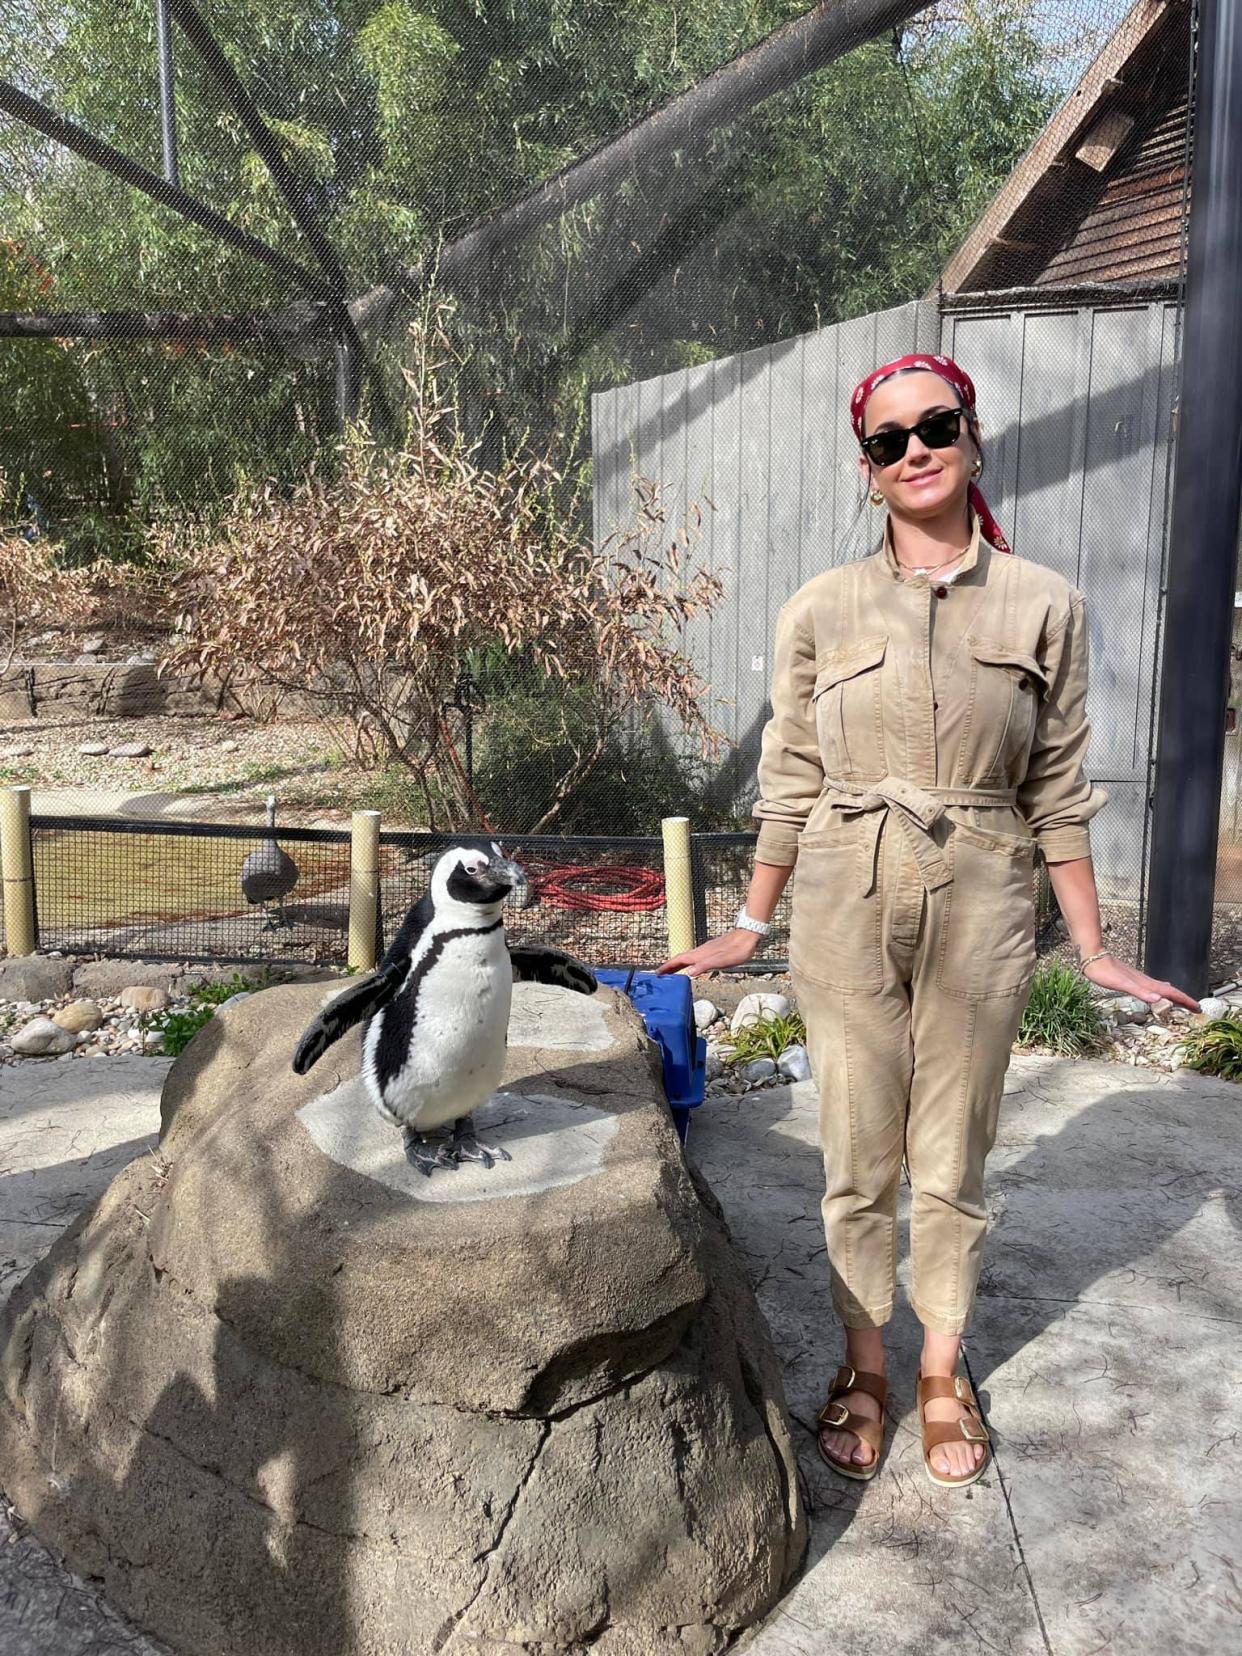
930	569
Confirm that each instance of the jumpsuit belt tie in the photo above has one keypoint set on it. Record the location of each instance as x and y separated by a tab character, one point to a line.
917	810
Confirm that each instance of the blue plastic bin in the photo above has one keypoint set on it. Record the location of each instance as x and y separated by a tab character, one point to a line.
666	1006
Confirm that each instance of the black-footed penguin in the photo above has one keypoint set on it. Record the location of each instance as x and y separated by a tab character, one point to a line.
438	1007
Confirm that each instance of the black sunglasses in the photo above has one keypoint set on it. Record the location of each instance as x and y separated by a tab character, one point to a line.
935	431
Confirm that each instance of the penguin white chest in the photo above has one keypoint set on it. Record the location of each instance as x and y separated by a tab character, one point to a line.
456	1053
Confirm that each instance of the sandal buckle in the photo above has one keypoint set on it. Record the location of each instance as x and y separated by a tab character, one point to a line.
980	1436
825	1414
848	1385
958	1383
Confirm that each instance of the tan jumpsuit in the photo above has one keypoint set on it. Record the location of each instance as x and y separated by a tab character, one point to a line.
924	739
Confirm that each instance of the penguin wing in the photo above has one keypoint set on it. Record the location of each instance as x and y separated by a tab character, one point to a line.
537	963
348	1009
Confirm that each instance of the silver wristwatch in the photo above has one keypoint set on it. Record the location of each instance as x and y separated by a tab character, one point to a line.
748	923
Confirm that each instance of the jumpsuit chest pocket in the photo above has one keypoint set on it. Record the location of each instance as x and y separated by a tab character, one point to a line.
849	712
835	934
1007	687
987	938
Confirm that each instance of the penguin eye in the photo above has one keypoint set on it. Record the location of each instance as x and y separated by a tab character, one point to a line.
474	865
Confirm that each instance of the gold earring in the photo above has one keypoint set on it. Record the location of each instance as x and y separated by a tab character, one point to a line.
977	469
876	498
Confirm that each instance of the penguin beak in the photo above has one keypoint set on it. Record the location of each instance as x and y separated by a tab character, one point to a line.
514	876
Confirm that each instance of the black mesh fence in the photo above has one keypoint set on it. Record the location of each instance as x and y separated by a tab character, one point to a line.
654	245
175	891
178	891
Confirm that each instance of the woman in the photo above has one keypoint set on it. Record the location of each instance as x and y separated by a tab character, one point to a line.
927	734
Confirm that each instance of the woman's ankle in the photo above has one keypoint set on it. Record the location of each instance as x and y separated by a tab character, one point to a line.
864	1349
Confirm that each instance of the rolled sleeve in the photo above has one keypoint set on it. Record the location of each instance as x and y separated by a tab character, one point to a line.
1055	796
791	773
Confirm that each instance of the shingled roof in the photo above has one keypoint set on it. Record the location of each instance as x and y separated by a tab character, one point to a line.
1100	197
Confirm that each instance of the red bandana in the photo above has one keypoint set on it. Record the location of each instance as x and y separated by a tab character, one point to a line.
960	380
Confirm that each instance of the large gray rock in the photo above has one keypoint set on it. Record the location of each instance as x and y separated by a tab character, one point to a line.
282	1394
34	978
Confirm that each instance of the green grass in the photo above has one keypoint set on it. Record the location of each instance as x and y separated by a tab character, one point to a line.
1061	1015
767	1037
1215	1048
179	1027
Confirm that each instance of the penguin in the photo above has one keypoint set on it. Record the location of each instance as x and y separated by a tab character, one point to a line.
437	1009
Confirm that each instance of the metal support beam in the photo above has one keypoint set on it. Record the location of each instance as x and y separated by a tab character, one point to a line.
168	100
63	131
1203	550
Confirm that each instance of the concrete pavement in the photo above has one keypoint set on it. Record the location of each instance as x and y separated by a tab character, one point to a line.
1105	1349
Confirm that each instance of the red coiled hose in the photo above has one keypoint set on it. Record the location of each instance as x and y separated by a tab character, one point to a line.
590	887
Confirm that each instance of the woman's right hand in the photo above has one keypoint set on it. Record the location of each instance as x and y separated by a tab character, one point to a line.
718	954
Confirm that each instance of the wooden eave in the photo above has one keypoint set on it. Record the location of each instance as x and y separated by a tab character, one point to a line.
1044	170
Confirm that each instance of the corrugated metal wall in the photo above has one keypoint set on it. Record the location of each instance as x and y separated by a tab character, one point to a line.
1076	408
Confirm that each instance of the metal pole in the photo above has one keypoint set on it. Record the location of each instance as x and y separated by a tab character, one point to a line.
363	889
21	934
678	886
168	107
1203	548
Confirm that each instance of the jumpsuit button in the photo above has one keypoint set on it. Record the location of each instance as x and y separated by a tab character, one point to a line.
942	592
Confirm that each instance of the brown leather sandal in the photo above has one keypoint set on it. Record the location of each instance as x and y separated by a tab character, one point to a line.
838	1418
935	1432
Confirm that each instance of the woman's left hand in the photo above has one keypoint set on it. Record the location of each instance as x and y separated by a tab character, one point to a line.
1109	973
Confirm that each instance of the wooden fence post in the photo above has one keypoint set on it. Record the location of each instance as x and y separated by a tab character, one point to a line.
678	885
363	889
21	936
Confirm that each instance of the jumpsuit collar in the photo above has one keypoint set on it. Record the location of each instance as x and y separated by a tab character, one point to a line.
886	558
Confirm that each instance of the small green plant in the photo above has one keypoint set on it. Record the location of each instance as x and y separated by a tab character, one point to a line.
1061	1014
766	1037
179	1027
1215	1048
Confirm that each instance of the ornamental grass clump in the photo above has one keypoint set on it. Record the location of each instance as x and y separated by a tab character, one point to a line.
1215	1048
766	1036
1061	1015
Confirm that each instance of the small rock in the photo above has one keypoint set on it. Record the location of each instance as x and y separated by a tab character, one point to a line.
141	998
41	1038
1161	1009
102	979
34	978
229	746
141	658
1177	1059
1213	1006
759	1069
706	1013
78	1016
92	646
1133	1010
753	1007
714	1068
794	1064
153	1040
241	995
1159	1032
93	750
23	751
130	750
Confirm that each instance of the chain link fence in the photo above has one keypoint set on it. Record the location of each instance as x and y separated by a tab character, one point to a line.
653	245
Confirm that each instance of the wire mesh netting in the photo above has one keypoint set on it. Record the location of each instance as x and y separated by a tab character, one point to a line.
178	891
298	311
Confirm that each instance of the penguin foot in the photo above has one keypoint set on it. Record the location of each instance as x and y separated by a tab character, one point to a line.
466	1147
421	1153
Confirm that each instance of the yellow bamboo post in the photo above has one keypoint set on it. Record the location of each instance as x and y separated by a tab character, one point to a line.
678	884
363	889
20	934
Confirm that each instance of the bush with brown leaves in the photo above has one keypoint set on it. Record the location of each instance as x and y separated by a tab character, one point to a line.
364	591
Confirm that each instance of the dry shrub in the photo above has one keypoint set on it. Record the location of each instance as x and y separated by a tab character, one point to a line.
35	592
363	591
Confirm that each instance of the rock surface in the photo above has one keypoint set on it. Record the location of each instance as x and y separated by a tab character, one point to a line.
79	1015
144	998
795	1064
298	1405
706	1013
34	978
41	1038
753	1007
